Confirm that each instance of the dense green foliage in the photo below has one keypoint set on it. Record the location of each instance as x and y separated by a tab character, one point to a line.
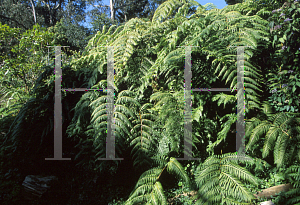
149	106
232	2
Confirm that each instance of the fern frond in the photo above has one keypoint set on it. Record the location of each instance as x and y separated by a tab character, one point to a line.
225	178
174	166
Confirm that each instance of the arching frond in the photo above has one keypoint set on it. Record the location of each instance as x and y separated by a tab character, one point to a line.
221	176
149	189
278	133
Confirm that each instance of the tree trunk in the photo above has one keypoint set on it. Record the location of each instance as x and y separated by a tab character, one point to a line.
112	10
33	11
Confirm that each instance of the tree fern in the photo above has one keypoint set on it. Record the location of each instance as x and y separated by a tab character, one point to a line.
149	56
281	130
221	180
142	137
294	174
148	189
170	107
121	115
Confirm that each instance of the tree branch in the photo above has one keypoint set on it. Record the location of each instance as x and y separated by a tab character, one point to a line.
56	7
14	21
122	6
102	6
46	4
113	8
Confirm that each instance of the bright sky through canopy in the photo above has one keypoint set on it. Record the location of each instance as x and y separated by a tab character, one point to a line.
219	3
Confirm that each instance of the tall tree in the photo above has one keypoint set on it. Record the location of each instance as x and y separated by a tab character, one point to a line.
68	13
133	9
15	14
119	11
26	13
232	2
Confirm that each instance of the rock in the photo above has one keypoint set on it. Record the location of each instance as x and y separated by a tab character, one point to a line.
34	186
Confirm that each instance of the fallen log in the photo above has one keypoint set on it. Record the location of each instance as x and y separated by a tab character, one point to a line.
272	191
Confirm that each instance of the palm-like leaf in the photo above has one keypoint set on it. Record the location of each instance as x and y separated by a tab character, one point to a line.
221	176
293	194
149	189
142	137
279	131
